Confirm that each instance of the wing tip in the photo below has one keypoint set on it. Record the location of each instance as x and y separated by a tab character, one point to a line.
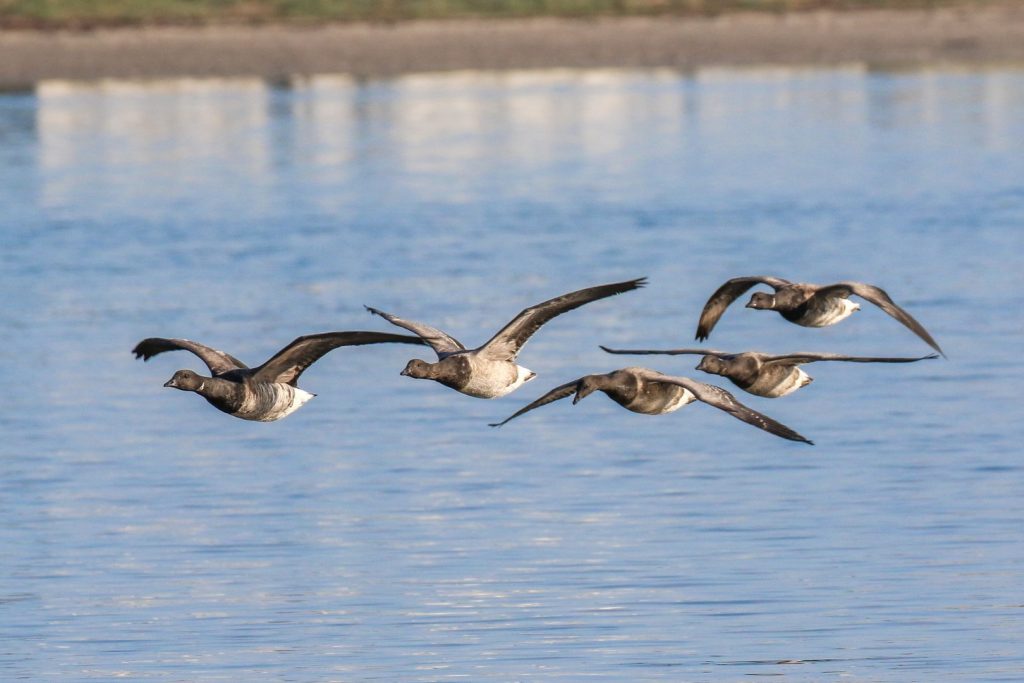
140	352
625	285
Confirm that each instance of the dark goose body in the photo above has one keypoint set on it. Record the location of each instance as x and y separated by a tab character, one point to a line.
769	381
645	397
252	400
820	312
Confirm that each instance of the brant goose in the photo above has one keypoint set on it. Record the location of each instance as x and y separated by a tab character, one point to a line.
266	393
763	374
805	304
649	392
490	371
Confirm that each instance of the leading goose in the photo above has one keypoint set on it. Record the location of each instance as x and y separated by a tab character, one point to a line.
491	371
805	304
763	374
266	393
651	393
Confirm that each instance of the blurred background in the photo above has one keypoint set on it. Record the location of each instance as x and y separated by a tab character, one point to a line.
384	531
79	13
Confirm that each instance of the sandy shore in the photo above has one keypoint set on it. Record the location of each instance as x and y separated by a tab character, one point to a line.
882	39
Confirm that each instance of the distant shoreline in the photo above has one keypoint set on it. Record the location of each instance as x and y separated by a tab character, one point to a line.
889	39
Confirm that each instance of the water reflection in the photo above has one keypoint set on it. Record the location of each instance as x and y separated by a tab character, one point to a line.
448	132
17	120
112	131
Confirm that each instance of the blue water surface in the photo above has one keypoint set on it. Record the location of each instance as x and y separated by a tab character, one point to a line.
384	532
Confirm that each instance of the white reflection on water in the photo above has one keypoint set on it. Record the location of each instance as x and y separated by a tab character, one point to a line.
445	130
111	130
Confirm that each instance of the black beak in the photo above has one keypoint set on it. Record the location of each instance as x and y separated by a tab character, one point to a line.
403	373
171	383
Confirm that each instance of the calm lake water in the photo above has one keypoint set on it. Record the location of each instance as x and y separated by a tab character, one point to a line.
384	532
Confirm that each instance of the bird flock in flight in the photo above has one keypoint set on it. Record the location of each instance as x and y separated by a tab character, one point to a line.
270	392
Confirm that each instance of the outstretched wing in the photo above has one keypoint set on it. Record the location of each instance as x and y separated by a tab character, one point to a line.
505	345
217	361
442	343
725	295
878	297
555	394
288	363
723	400
666	352
801	358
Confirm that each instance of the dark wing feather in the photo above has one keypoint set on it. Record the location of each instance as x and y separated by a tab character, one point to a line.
288	363
723	400
801	358
505	345
217	361
666	352
555	394
725	295
878	297
441	342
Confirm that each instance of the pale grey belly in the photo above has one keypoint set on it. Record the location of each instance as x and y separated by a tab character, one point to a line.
493	379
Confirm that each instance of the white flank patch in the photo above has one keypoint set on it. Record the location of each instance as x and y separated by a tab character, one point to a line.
289	399
494	379
523	375
793	380
836	309
680	401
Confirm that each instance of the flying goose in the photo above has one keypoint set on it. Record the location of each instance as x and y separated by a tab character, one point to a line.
491	371
805	304
266	393
650	392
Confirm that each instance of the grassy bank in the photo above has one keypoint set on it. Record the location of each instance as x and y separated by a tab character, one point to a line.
83	14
